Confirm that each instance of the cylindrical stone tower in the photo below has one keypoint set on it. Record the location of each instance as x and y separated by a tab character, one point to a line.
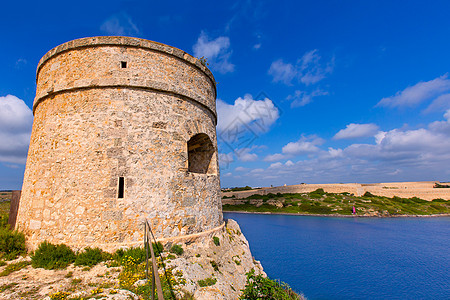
123	132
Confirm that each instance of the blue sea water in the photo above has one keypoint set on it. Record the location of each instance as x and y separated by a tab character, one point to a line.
353	258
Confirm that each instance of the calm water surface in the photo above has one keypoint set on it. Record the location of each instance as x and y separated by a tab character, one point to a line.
353	258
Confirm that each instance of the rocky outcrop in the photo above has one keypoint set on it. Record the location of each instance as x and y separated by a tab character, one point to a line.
223	261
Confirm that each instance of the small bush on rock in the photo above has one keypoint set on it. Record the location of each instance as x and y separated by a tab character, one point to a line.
158	248
177	249
138	255
4	221
207	281
12	243
90	257
216	241
260	287
14	267
50	257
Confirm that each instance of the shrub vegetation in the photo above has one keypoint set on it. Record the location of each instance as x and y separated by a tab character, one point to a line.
319	202
207	281
90	257
12	243
260	287
177	249
50	256
14	267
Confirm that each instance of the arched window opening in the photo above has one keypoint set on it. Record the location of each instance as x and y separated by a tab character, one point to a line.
200	153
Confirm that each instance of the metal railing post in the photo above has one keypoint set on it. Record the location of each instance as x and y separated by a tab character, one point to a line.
155	276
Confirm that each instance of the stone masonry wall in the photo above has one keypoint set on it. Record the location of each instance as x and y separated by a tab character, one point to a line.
95	122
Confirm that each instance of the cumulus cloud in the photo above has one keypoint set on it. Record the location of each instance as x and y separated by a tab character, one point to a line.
245	155
246	111
16	119
120	24
335	152
305	145
216	51
420	93
276	165
442	126
274	157
397	154
308	69
354	131
288	163
240	169
301	98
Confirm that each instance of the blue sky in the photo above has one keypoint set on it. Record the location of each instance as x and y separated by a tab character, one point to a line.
308	91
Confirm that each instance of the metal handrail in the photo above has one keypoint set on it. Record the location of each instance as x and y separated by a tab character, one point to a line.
155	276
155	279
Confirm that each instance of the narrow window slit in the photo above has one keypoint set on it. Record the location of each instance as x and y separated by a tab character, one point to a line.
123	64
121	187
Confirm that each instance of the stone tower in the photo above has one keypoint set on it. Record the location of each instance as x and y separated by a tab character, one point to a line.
123	132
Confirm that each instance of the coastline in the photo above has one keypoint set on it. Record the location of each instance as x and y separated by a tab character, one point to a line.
337	215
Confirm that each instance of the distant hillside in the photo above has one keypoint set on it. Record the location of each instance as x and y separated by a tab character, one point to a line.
427	190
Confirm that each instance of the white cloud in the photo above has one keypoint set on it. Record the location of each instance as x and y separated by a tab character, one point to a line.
259	114
225	159
240	169
289	163
305	145
217	52
276	165
245	155
120	24
335	152
441	103
274	157
281	71
256	171
397	155
308	70
419	93
354	131
301	98
16	119
311	70
442	126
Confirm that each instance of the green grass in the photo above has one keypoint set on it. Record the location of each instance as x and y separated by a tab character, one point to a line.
319	202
